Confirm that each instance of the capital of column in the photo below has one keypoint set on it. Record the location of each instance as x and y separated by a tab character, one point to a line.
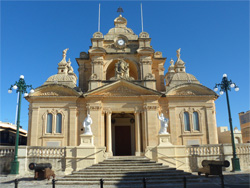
108	111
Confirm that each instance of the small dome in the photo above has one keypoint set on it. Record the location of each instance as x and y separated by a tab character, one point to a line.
120	29
184	76
68	80
120	21
181	78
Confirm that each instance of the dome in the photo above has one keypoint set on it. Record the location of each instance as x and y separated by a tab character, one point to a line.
120	29
64	79
183	77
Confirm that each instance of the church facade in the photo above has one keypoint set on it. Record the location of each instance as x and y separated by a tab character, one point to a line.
122	86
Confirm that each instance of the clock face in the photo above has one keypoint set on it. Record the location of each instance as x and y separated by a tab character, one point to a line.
120	42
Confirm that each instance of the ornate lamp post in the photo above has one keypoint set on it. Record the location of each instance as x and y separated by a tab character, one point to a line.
21	87
226	86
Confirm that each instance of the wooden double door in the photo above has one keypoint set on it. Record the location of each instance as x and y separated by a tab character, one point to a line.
123	145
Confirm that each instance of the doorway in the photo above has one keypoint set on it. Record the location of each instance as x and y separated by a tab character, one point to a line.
122	140
123	134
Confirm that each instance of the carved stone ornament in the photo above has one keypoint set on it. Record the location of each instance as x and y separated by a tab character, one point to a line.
143	35
149	76
146	60
120	91
158	55
186	93
97	35
93	77
94	107
50	93
84	55
150	107
122	71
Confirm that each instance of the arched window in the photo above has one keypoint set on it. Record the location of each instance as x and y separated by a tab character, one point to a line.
49	123
196	121
186	121
59	123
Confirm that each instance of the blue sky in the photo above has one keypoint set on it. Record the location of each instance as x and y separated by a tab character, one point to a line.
213	37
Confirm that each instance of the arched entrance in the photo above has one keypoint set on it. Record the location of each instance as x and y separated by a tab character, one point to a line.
123	134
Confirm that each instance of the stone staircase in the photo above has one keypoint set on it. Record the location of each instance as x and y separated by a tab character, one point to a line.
128	171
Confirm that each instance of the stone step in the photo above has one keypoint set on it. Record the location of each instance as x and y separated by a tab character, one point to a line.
133	175
125	170
165	172
127	164
128	182
180	177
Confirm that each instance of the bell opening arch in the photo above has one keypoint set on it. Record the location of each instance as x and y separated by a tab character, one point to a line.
133	69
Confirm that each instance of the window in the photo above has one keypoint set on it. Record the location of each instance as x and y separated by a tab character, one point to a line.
59	123
49	123
186	121
196	121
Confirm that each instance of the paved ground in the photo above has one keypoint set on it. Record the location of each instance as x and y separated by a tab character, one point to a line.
231	180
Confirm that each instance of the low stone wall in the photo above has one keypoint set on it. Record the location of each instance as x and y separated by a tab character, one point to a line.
6	156
65	160
189	158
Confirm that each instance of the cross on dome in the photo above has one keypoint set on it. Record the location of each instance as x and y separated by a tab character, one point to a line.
120	10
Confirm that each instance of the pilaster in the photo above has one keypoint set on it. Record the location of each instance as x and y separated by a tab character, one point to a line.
211	125
72	127
33	134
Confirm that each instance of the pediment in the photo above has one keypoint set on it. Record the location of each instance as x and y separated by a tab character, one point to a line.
190	90
52	90
122	88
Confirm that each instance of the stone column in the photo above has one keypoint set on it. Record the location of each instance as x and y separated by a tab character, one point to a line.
137	134
108	133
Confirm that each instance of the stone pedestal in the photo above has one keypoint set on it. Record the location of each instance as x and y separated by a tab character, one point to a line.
164	140
86	140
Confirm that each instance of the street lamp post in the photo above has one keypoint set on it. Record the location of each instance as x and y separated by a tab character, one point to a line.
21	88
226	86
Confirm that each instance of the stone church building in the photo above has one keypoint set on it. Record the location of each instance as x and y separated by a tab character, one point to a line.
123	87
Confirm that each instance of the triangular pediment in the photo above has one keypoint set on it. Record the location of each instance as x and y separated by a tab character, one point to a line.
122	88
54	90
190	89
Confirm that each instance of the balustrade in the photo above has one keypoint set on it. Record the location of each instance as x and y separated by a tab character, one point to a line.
7	151
46	152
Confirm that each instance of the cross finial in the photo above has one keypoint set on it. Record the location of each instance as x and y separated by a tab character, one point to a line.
120	10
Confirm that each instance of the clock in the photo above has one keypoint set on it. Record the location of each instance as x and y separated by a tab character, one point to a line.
120	42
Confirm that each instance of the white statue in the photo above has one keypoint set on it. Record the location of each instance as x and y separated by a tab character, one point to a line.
164	124
86	125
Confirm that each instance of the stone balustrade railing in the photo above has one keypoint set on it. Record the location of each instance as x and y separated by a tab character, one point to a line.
204	150
51	152
242	149
7	150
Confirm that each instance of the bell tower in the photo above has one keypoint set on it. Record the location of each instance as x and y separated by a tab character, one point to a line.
121	54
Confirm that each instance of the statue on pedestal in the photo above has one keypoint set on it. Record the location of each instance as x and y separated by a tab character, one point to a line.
164	124
86	125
